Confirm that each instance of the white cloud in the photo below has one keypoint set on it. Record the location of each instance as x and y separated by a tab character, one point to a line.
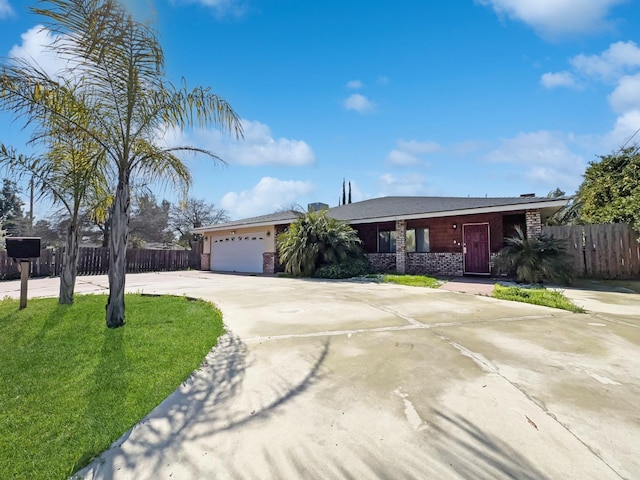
419	148
625	131
382	80
221	8
626	95
402	159
544	158
267	196
405	185
355	84
257	148
35	50
359	103
5	9
618	59
552	18
408	152
559	79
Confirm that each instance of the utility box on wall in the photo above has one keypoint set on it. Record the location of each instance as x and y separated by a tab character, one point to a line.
23	247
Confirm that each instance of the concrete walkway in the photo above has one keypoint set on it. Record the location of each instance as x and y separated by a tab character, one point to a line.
470	285
324	379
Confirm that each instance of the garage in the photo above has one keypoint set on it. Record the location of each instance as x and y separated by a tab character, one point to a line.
237	253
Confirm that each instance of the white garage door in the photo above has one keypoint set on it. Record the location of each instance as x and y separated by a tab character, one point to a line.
237	253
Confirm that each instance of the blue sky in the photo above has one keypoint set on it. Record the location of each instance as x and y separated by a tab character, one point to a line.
455	98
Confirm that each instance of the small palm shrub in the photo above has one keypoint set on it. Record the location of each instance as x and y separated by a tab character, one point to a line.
534	259
315	240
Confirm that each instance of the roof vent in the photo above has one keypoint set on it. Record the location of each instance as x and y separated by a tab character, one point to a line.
317	206
528	195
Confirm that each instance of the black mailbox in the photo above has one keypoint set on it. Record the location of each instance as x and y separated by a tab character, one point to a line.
23	247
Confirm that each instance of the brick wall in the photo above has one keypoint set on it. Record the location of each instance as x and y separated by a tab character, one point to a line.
533	222
205	261
449	264
383	262
269	262
401	246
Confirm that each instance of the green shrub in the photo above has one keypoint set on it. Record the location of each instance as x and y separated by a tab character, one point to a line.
315	240
352	267
534	259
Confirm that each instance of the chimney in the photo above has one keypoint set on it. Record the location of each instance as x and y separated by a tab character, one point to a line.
317	206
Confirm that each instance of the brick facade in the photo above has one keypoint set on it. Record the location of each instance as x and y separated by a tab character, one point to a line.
449	264
401	246
382	262
269	262
205	261
533	223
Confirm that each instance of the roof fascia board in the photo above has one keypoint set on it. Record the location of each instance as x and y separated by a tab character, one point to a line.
466	211
221	227
390	218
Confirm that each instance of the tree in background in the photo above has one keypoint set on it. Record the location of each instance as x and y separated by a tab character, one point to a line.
150	220
315	240
194	213
128	102
11	205
610	192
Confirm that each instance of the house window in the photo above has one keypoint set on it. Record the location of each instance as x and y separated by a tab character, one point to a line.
387	242
418	240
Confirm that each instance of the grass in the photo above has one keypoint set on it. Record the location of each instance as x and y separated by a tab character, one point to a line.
411	280
69	387
536	296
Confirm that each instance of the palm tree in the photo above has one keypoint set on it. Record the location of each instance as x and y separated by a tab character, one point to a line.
315	240
129	101
70	174
534	259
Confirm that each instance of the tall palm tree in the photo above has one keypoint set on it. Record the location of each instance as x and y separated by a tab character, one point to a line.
70	174
119	63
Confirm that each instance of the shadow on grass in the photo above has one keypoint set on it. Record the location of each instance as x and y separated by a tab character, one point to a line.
109	389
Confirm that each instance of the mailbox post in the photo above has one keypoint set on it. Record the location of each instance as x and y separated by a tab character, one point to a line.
22	249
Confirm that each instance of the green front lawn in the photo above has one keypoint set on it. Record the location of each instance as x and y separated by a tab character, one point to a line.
536	296
410	280
69	386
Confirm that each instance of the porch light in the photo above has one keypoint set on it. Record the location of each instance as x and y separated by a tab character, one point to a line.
454	226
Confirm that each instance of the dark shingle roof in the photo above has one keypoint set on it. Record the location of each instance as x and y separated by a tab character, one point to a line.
272	218
391	207
399	206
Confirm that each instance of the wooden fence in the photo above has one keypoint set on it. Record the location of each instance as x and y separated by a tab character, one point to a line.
608	251
95	261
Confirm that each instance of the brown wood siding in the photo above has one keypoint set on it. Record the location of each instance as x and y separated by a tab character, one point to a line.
442	234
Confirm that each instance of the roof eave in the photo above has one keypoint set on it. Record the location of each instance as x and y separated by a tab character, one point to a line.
557	204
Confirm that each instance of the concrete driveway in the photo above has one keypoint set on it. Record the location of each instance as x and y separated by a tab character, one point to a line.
347	380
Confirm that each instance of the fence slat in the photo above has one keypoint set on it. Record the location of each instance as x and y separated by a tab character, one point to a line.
95	261
607	251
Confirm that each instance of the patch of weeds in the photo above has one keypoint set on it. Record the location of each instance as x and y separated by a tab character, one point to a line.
536	296
412	280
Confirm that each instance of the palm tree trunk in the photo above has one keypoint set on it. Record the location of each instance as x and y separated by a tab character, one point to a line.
118	253
69	264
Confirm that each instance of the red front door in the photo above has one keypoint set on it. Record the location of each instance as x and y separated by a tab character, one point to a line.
476	248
